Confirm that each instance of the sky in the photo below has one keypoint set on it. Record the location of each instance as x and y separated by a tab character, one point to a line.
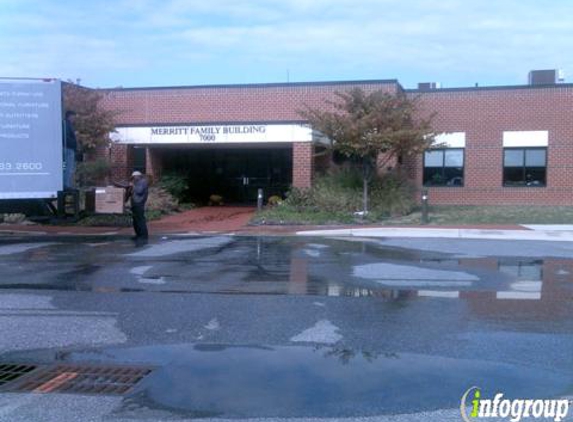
140	43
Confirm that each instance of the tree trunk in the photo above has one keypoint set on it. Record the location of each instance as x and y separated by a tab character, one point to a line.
364	196
366	176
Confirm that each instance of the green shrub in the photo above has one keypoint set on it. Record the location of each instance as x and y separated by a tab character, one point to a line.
340	192
176	184
336	194
160	201
297	198
274	200
391	196
92	173
344	178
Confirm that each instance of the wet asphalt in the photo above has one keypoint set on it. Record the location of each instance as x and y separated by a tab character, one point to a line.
286	327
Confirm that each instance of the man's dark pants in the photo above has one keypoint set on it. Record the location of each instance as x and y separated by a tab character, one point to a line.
139	223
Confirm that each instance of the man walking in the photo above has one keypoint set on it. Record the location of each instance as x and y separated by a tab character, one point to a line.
70	148
139	193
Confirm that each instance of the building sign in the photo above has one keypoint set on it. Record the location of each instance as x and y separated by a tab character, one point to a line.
244	133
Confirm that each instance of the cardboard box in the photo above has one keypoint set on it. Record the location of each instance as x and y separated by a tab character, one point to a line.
107	200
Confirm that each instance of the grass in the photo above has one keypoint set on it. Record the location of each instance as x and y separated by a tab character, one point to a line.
507	214
115	220
439	216
106	220
287	216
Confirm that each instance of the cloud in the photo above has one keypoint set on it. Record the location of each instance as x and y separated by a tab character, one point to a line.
144	41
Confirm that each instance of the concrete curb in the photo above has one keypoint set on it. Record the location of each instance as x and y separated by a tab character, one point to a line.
545	235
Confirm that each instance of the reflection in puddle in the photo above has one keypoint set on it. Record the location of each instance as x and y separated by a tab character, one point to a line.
539	287
292	266
310	382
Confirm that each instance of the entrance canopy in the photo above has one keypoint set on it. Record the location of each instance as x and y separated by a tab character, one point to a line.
215	134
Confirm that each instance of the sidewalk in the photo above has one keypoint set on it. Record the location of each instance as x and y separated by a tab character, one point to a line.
204	220
234	220
555	233
198	220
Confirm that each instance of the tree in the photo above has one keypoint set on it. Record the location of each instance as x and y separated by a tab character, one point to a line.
93	124
372	128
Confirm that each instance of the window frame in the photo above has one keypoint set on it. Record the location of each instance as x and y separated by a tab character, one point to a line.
524	167
443	150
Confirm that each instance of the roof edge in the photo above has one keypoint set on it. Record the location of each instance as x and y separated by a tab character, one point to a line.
261	85
215	123
488	88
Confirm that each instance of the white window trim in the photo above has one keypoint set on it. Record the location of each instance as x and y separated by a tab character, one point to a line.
450	140
525	138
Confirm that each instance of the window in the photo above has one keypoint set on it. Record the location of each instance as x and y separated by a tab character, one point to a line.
444	167
524	166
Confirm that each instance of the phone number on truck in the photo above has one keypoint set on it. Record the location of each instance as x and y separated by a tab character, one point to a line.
20	166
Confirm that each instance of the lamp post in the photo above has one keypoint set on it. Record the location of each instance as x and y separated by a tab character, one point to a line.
425	206
259	200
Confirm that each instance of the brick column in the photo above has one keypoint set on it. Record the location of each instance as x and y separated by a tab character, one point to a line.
153	163
302	164
121	160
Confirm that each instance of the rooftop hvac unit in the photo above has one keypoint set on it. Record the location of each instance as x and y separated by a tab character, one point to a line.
546	77
428	86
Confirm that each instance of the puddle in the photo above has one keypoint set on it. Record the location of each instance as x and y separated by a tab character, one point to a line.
425	302
241	382
22	247
168	248
293	266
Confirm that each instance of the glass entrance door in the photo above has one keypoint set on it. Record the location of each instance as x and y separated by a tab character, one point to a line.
258	175
247	171
235	173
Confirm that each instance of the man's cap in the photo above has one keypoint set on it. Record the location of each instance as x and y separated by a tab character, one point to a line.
136	173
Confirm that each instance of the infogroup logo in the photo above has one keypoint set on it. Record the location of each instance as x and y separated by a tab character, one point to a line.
513	410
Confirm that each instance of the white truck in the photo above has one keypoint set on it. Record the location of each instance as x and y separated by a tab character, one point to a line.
31	147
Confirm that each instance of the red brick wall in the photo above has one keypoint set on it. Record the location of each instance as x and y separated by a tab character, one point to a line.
302	164
121	162
226	104
484	114
153	162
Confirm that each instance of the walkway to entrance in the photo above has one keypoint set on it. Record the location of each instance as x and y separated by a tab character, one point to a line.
205	219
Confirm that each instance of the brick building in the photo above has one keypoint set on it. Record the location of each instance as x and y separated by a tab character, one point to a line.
498	145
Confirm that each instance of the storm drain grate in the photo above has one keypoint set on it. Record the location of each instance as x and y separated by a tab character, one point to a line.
10	372
82	379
